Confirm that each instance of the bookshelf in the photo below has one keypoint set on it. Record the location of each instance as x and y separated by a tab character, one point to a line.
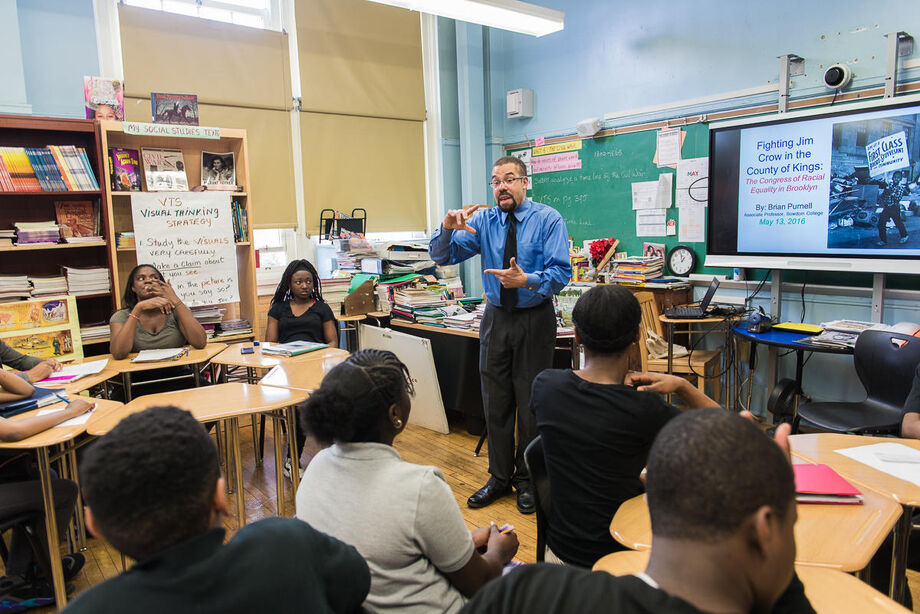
118	206
38	206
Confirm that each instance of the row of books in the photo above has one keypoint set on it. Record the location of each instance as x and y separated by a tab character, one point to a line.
74	281
164	170
240	222
55	168
125	239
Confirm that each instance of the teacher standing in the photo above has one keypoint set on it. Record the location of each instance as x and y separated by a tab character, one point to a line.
525	257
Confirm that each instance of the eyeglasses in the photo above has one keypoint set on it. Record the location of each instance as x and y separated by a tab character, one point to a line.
496	183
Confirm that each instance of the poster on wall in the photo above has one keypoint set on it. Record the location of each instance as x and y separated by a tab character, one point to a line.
47	328
189	237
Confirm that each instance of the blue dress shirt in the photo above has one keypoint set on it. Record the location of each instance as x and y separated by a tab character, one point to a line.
542	250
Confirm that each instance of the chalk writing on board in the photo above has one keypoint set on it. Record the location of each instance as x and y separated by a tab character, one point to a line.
189	237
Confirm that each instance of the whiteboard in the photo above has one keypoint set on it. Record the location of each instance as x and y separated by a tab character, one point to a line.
188	236
415	352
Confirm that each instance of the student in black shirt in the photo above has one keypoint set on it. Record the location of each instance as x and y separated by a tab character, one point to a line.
598	424
721	497
153	489
298	311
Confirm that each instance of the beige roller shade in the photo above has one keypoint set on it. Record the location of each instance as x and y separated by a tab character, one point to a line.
377	164
360	58
268	135
222	63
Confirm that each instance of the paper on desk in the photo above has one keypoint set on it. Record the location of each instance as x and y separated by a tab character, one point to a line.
78	421
690	223
651	223
868	455
74	372
157	355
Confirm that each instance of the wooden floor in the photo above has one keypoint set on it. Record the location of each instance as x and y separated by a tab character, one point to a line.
452	453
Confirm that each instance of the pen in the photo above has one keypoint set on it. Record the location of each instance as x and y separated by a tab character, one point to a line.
61	397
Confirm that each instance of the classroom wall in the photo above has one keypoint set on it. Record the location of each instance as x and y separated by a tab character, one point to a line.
58	39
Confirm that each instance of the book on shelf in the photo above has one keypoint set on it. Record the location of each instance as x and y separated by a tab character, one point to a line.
104	98
164	170
77	218
240	222
55	168
14	288
294	348
218	170
37	233
124	169
821	484
94	331
48	286
174	108
125	239
87	280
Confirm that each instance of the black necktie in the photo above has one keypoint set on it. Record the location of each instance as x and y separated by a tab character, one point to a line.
509	295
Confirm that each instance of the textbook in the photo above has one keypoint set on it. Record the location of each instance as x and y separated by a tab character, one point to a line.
821	484
39	398
164	170
124	169
294	348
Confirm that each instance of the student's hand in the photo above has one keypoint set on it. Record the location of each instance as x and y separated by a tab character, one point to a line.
78	407
504	545
481	538
55	365
780	435
512	277
40	371
165	290
662	383
157	303
456	219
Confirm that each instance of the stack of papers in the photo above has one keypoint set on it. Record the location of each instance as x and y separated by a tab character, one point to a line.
74	372
86	281
6	237
821	484
96	330
637	270
229	328
48	286
14	288
158	355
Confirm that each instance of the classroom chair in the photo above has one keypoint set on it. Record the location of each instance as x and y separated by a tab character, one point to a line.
536	466
700	365
885	364
30	522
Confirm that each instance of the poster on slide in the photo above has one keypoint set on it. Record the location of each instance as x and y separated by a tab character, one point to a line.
188	236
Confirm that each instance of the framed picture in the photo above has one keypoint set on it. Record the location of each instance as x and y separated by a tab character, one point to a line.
218	168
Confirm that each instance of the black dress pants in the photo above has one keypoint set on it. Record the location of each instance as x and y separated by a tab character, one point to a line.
515	346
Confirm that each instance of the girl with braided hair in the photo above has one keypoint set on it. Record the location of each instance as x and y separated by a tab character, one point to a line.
402	518
298	311
598	424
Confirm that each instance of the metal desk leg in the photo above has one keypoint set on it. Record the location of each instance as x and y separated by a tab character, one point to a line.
256	438
279	461
54	550
196	374
292	442
81	524
233	428
126	384
899	554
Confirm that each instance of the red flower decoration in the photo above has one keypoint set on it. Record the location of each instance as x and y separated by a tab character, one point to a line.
598	249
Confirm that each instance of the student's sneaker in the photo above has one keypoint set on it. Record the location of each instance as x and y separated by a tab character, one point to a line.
287	468
903	239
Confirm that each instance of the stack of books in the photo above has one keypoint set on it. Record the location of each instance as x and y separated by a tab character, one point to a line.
94	331
209	317
637	270
37	233
6	237
14	288
335	289
409	305
240	220
84	281
229	328
91	239
125	239
56	168
48	286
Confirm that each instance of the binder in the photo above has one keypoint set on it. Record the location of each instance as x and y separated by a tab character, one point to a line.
821	484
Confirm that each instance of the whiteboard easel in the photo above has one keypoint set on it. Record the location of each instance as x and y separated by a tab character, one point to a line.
415	352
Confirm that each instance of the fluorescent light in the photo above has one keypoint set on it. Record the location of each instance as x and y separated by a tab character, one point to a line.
512	15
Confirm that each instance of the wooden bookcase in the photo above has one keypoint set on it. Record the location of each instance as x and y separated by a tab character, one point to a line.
118	207
47	260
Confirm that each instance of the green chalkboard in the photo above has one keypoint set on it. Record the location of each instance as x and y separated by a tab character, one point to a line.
596	200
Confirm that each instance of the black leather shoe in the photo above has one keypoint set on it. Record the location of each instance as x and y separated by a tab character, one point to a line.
526	503
488	494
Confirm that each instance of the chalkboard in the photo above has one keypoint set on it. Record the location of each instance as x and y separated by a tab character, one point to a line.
596	200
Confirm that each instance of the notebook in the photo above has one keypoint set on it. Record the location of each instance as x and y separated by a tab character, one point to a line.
39	398
821	484
694	311
294	348
158	355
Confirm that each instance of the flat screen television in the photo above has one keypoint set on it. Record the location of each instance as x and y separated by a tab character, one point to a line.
830	189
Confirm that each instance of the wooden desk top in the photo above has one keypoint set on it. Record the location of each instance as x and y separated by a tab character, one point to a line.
473	334
205	404
820	448
259	360
706	320
194	357
828	590
57	434
303	375
840	536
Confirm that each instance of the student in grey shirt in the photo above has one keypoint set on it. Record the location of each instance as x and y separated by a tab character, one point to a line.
30	368
401	517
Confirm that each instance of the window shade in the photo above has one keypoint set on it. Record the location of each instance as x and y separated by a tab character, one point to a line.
360	58
374	163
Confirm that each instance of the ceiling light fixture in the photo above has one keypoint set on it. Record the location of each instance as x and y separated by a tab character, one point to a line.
512	15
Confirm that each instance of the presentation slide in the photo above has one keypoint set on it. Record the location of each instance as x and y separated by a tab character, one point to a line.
835	185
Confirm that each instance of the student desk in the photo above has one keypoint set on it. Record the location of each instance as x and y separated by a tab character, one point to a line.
828	590
820	448
218	402
844	537
304	376
42	444
85	383
256	362
195	357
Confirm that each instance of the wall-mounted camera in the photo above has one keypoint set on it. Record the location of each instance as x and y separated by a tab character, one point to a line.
837	76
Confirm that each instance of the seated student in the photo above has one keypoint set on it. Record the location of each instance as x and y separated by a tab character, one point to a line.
597	427
30	368
153	490
401	517
910	423
298	311
722	501
154	317
20	492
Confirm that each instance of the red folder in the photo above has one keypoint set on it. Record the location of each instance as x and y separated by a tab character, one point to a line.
821	484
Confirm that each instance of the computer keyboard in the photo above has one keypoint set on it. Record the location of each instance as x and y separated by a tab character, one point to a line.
683	312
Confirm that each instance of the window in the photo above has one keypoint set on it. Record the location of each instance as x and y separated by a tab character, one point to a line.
274	246
265	14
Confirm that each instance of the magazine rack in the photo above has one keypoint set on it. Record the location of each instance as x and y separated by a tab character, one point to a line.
331	226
